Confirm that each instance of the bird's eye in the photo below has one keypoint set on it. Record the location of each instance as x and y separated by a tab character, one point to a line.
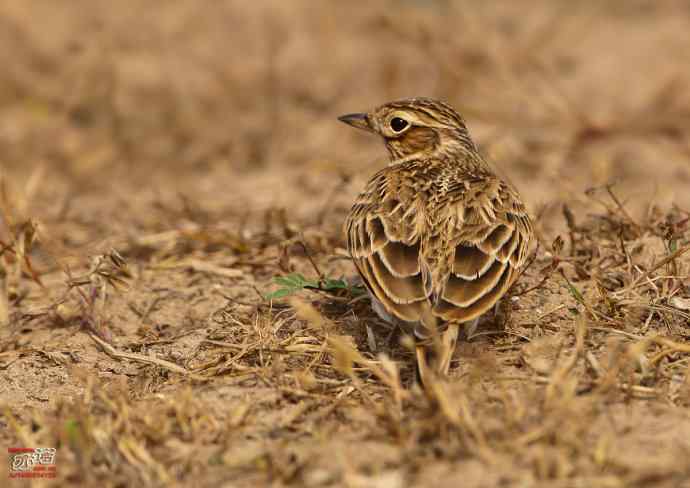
398	124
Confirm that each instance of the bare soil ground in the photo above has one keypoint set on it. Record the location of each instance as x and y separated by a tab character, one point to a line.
162	163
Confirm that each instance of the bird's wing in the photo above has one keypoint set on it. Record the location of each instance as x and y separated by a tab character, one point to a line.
384	242
487	245
452	259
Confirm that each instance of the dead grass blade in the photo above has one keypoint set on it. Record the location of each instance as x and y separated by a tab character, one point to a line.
114	353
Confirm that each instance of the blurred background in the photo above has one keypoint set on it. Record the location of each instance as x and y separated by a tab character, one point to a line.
108	106
200	140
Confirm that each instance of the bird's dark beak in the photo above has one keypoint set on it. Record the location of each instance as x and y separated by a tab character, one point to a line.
361	121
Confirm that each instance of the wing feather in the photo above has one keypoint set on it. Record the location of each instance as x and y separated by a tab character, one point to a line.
400	259
486	261
470	262
463	293
407	312
475	237
399	290
450	312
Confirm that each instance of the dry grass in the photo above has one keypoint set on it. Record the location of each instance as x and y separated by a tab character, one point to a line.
162	166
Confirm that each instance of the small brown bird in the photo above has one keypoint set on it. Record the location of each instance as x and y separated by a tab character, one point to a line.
437	237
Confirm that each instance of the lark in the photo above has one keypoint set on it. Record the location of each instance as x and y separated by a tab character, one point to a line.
437	237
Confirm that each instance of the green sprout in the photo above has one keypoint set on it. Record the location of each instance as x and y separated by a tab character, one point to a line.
294	282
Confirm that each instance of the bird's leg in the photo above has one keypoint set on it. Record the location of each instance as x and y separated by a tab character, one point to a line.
441	355
424	374
448	341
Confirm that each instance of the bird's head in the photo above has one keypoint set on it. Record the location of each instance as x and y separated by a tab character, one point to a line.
415	126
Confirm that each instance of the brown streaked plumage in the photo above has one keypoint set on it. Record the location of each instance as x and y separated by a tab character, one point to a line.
437	237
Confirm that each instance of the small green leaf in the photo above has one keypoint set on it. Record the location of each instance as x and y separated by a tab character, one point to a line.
215	460
280	280
291	280
72	431
294	282
331	284
358	291
575	292
281	293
